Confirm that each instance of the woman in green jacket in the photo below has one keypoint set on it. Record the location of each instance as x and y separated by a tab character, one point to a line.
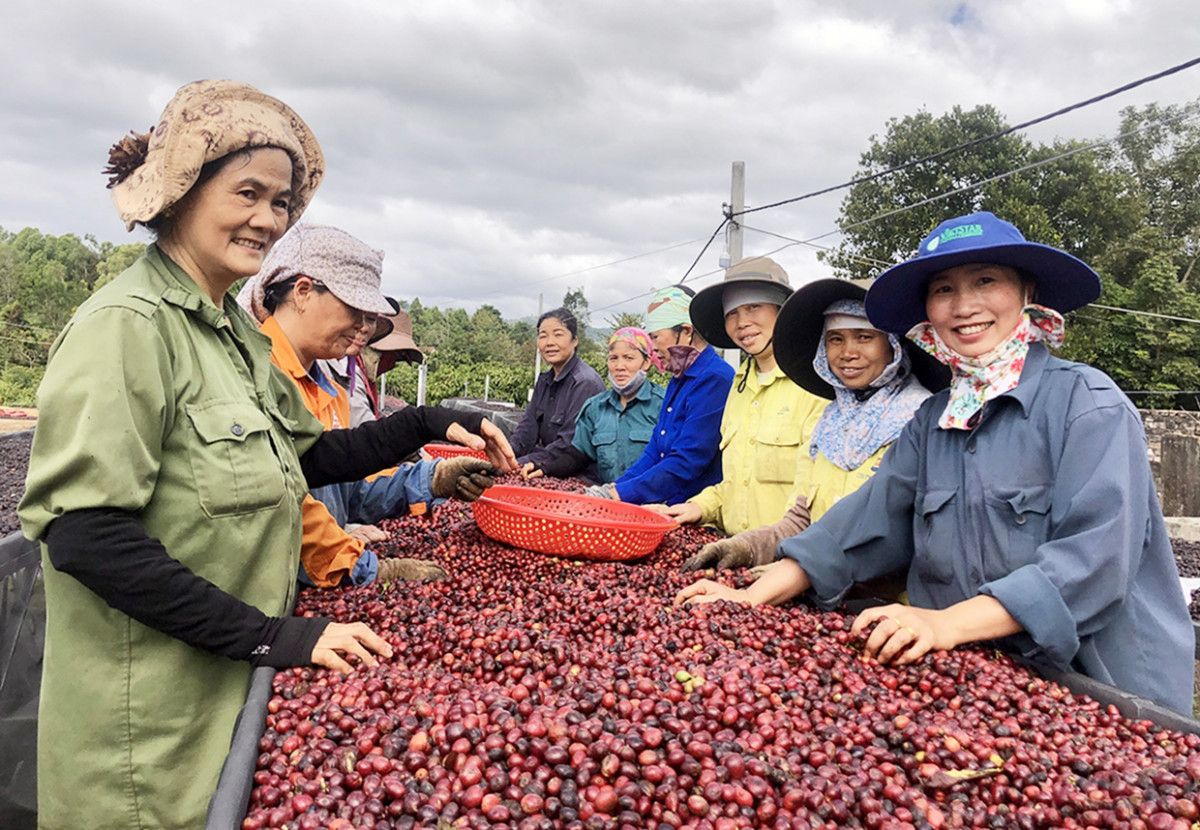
167	473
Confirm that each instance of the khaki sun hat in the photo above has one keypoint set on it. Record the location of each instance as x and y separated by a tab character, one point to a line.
757	279
205	121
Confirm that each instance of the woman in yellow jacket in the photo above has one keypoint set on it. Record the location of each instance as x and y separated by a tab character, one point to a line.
874	384
767	418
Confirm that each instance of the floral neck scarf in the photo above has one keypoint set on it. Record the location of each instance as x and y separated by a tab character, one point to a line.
856	423
976	380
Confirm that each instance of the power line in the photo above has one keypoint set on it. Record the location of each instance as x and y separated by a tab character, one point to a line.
975	141
1145	313
702	250
930	200
859	257
615	262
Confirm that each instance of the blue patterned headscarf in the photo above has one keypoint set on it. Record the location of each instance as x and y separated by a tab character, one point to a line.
856	423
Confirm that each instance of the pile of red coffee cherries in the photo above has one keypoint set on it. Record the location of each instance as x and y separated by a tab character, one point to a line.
530	691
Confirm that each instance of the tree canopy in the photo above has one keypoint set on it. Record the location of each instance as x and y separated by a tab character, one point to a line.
1129	208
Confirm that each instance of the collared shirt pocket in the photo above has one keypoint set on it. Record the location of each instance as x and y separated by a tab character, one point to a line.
605	442
235	468
1019	516
936	539
641	435
775	448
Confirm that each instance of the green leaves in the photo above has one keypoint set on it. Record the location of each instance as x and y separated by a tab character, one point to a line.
1131	210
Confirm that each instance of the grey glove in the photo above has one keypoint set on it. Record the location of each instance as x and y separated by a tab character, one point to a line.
409	570
600	491
464	477
734	552
751	548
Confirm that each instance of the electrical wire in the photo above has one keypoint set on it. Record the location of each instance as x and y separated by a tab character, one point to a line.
975	142
615	262
930	200
702	250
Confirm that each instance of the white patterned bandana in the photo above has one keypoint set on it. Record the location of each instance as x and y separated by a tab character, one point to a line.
856	423
976	380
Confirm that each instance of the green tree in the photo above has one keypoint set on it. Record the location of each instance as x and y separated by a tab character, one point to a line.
1132	211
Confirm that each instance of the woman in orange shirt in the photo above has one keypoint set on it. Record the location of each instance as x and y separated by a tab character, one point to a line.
317	297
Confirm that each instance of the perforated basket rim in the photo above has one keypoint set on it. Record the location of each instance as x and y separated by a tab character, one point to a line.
662	524
451	449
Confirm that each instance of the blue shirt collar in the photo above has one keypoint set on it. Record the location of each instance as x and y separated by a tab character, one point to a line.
322	380
1031	376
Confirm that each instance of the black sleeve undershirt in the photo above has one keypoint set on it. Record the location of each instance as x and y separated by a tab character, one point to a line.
566	463
109	551
350	454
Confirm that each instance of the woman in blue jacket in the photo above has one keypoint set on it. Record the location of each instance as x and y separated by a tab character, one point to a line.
1020	499
683	456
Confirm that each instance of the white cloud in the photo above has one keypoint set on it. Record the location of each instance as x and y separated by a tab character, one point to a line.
487	146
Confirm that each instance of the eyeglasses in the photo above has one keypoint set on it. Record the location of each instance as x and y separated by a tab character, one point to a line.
362	319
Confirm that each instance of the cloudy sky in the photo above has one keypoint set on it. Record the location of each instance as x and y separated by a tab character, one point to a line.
492	147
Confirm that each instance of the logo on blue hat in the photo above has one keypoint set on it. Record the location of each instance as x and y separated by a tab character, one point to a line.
956	232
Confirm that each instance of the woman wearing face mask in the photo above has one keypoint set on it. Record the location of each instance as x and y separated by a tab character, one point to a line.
767	416
548	425
874	383
681	457
1021	497
614	427
317	297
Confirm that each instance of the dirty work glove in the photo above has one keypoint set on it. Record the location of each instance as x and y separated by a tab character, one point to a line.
409	570
465	478
752	548
734	552
601	491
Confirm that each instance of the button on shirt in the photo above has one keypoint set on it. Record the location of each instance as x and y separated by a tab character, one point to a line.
548	425
764	428
615	437
1053	512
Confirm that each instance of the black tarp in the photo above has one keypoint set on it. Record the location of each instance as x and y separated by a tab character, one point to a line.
22	638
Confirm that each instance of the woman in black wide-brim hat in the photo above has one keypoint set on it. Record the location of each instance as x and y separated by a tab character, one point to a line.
874	383
1020	499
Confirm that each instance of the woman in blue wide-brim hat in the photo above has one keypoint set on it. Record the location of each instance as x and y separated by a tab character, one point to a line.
1020	499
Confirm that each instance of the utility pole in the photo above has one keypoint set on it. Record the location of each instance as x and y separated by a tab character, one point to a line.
537	354
737	203
733	234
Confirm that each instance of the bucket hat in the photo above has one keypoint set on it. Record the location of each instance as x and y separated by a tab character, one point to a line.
896	301
708	310
801	324
348	267
399	339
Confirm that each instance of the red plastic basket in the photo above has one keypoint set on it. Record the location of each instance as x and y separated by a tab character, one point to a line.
569	524
452	451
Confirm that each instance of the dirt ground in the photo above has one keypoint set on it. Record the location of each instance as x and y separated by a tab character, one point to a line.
14	458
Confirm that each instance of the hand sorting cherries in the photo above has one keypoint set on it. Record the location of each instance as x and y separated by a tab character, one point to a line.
529	691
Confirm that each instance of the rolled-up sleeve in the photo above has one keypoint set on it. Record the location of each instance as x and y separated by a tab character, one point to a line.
868	533
1080	576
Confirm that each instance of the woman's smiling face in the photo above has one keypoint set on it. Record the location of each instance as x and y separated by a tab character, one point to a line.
974	307
857	356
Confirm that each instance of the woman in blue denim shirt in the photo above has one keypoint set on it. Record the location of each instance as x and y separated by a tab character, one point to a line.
1020	499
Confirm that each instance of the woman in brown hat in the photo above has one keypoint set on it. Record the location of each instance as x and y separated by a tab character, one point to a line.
767	416
167	474
873	381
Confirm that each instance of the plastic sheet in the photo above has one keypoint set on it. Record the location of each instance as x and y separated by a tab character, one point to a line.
506	416
22	639
229	801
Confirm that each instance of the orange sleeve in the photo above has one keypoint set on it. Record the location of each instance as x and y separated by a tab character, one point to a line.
327	553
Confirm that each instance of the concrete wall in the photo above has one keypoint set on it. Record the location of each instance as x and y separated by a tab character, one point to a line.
1174	438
